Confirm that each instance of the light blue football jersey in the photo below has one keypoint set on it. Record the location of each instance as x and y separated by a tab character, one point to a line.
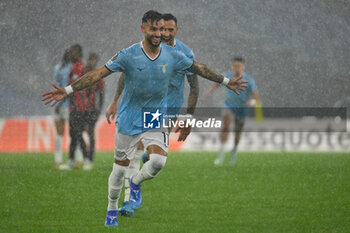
146	82
238	103
177	82
61	76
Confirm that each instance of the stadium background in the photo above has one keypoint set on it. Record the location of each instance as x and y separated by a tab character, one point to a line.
298	53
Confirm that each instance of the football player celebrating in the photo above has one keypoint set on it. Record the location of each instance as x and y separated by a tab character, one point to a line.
147	67
174	103
237	105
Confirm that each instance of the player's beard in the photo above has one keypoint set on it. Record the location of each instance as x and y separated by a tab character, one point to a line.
168	40
149	40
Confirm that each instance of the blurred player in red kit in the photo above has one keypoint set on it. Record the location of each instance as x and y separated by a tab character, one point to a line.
95	97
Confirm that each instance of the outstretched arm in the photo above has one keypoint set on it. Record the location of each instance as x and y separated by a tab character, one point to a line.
85	81
112	108
254	100
206	72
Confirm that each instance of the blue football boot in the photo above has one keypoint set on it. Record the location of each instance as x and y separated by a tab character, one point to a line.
135	195
126	210
111	218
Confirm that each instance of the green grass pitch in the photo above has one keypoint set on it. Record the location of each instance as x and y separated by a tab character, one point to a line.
264	192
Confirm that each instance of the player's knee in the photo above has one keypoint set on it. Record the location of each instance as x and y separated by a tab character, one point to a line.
157	161
134	163
117	175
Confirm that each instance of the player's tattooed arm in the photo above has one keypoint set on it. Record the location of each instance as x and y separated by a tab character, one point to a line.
112	108
87	80
208	73
191	105
90	78
193	95
120	88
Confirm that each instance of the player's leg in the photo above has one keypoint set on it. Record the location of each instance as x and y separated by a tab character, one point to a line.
134	167
125	146
73	141
59	125
226	119
145	156
157	144
239	124
91	123
81	123
115	185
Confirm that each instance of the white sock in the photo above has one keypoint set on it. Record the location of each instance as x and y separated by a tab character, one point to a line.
221	151
133	168
115	185
150	169
58	149
79	158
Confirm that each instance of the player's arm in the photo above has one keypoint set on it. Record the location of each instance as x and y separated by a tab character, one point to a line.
101	93
255	95
191	105
254	100
205	71
112	108
85	81
193	95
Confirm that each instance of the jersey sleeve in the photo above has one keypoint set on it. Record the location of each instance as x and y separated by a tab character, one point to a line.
118	62
183	62
252	86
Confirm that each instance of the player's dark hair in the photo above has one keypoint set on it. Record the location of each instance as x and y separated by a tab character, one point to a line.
93	55
65	58
168	17
239	59
152	16
78	48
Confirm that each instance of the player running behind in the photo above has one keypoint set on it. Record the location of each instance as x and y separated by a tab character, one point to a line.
175	101
77	108
61	76
147	67
95	98
236	105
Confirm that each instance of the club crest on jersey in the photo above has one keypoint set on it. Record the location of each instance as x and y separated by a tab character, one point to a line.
164	67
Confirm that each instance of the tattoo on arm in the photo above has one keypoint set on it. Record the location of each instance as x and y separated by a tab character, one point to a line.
206	72
90	78
193	95
120	88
